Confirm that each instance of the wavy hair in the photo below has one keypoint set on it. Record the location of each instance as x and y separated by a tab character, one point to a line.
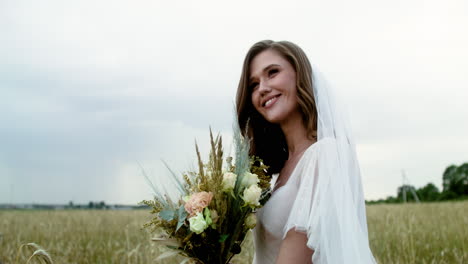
268	141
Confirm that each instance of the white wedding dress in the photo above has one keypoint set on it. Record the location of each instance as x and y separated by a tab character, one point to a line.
323	196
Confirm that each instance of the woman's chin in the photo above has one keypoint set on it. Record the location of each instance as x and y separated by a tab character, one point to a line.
274	119
280	116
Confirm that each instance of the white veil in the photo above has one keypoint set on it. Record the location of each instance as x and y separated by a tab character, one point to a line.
334	217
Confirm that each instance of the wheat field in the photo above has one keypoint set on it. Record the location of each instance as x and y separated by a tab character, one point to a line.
404	233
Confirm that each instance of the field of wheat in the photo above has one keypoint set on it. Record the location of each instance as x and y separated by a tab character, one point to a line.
407	233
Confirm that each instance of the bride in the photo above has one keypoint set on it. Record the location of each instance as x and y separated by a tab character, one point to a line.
316	213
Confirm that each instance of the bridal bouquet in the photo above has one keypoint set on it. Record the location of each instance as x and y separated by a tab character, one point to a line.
216	206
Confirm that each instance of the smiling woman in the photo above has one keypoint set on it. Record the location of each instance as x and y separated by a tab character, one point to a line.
273	86
316	213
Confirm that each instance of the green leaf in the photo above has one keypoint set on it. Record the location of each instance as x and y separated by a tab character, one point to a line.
172	247
207	214
167	215
223	238
181	217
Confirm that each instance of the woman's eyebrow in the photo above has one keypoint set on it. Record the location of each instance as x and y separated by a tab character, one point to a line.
265	70
269	66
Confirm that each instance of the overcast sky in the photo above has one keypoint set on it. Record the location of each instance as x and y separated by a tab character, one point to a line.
91	89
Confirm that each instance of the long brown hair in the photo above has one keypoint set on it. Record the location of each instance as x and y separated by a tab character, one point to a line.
268	141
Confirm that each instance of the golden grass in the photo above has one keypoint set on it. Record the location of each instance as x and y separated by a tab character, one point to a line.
419	233
411	233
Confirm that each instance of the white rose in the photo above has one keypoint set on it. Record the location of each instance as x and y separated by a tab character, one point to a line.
252	195
249	179
197	223
229	181
251	221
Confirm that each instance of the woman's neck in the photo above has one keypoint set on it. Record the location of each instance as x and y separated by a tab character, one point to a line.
296	135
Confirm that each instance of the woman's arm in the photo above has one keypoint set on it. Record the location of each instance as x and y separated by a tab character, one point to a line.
294	249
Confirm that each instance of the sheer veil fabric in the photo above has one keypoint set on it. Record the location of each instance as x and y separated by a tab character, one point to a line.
323	196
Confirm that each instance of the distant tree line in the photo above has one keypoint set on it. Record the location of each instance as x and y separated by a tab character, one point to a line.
91	205
454	187
103	206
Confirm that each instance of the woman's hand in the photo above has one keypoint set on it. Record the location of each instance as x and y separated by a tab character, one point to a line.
294	249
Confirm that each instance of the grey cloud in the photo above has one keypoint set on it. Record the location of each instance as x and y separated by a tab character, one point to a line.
88	88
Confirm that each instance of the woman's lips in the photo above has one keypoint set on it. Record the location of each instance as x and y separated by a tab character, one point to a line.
271	101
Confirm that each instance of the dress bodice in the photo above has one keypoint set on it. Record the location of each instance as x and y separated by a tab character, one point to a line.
273	216
271	220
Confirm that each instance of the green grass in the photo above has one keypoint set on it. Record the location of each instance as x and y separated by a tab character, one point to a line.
411	233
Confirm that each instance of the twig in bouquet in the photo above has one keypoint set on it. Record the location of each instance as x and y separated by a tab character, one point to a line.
155	190
201	173
188	181
165	240
176	178
215	166
242	157
216	158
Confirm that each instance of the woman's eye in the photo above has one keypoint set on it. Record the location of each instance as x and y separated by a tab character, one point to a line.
272	72
253	86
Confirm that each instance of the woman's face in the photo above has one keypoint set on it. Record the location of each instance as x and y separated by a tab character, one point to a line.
273	85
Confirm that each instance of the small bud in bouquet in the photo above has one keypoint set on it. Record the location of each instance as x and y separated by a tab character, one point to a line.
214	217
211	217
251	221
215	207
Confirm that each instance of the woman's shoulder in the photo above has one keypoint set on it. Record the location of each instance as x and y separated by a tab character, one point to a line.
319	145
316	153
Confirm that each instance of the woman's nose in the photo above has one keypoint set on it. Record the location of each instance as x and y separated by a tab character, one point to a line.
264	88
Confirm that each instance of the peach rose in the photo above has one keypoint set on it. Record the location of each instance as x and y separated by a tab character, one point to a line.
197	202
